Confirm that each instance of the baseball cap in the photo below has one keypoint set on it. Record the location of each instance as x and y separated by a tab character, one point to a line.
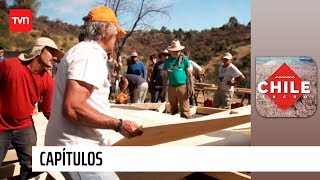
41	43
104	14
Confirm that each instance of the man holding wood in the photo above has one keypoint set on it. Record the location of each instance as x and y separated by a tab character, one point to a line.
81	111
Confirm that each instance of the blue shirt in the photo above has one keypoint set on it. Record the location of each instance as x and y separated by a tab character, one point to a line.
137	69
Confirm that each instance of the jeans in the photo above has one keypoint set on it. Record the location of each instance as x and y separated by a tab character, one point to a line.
90	175
22	140
156	95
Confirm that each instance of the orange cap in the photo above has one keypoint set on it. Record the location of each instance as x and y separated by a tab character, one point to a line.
105	14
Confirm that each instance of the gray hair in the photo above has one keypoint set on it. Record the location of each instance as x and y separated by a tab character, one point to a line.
97	30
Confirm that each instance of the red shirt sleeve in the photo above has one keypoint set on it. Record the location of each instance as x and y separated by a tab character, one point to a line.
2	69
47	95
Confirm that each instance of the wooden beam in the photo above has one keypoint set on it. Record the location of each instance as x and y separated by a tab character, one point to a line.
228	175
148	106
161	108
238	90
161	128
193	110
10	156
216	138
10	170
209	110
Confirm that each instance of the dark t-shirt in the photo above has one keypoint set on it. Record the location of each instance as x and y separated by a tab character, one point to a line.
134	81
157	74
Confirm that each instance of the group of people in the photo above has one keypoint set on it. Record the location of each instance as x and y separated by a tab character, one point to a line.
76	101
171	77
141	80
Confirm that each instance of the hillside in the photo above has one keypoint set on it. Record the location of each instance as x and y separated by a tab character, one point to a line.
205	47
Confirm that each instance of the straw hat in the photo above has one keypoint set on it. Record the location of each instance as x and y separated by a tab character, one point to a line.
175	46
38	46
227	56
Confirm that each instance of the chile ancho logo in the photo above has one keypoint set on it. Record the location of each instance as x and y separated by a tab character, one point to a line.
289	87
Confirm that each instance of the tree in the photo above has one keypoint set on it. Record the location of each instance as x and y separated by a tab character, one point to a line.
33	5
141	12
233	22
3	5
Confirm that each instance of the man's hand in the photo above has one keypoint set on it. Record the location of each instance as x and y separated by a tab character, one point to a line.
190	91
230	83
130	129
164	92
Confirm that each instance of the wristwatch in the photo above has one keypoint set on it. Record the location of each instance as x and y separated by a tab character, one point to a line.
119	126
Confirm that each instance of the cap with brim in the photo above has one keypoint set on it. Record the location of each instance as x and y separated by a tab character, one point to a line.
227	56
104	14
41	43
175	46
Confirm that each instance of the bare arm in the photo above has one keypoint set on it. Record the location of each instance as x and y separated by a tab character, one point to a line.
125	85
165	81
190	79
237	80
190	76
76	109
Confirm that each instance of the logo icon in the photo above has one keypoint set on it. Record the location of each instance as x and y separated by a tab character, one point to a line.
286	86
20	20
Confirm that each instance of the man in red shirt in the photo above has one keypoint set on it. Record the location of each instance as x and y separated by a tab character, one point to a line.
23	80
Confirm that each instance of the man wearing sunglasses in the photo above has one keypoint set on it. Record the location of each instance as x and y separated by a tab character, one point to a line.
23	81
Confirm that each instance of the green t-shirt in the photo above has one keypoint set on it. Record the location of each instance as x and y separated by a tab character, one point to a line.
177	74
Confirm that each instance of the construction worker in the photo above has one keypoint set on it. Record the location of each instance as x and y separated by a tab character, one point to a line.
81	109
138	87
177	70
197	73
228	77
24	80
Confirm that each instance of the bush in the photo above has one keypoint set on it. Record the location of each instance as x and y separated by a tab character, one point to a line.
203	55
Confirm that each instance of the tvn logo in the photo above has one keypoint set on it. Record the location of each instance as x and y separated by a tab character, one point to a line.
20	20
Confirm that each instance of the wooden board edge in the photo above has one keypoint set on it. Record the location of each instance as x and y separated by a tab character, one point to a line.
228	175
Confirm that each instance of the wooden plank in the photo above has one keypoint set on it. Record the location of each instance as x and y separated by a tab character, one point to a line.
10	156
204	85
148	106
228	175
128	106
161	128
193	110
152	175
161	108
209	110
238	90
10	170
216	138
